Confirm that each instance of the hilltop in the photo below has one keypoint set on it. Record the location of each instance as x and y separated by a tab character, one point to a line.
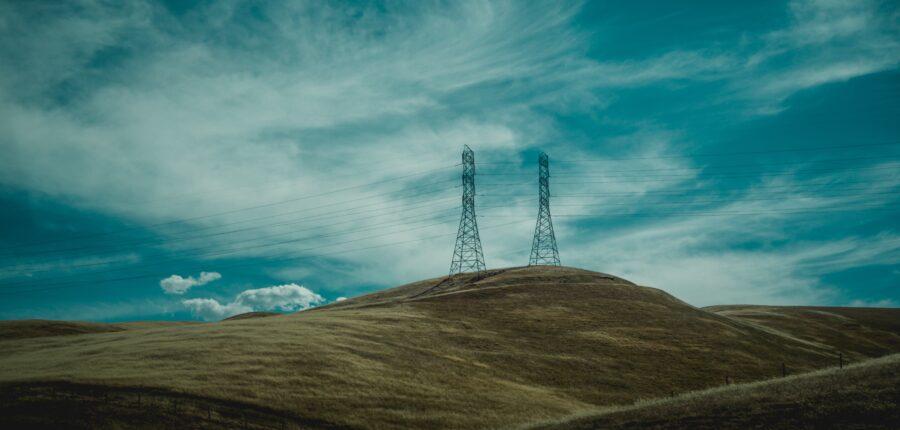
503	348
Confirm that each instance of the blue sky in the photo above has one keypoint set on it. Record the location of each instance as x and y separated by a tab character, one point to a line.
192	160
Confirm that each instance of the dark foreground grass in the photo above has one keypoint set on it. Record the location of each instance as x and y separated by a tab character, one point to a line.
861	396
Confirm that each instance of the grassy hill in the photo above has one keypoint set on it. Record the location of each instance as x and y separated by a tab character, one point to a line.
861	396
504	349
856	332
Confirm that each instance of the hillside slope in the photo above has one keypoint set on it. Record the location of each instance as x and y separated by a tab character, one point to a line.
861	396
856	332
514	346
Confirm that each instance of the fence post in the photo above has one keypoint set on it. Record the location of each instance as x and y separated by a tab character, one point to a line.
841	358
783	370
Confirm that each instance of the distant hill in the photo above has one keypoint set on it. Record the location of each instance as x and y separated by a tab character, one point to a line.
856	332
499	349
24	329
249	315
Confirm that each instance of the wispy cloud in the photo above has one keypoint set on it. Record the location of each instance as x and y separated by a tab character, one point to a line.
826	41
724	252
150	116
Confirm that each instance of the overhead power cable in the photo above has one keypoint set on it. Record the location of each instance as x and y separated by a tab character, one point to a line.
711	154
567	172
240	265
855	208
202	252
699	173
229	212
341	212
804	187
701	201
275	235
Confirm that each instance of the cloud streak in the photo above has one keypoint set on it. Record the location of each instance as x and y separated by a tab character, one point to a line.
149	116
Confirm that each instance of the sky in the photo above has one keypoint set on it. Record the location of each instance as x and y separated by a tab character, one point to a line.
193	160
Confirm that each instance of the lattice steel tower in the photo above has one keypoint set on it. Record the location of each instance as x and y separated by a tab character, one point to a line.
543	247
467	255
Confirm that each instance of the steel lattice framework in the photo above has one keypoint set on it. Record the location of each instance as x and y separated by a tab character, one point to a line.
543	247
467	255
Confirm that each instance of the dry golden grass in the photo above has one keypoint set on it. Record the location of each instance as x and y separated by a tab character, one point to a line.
861	396
24	329
517	346
856	332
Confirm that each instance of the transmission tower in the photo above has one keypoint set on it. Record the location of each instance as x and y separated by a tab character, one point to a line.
467	255
543	247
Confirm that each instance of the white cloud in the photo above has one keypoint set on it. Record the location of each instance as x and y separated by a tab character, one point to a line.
211	309
322	98
175	284
326	98
883	303
285	298
703	259
827	41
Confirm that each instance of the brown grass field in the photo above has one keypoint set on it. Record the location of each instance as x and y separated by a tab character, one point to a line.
862	396
514	347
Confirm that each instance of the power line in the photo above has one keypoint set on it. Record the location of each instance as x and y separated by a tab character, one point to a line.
229	212
281	260
267	184
770	196
771	151
62	279
200	253
807	187
714	213
720	154
702	174
707	166
330	214
316	227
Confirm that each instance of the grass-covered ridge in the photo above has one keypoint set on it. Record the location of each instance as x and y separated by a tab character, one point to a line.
865	395
514	347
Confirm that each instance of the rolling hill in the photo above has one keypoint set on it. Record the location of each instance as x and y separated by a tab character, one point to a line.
862	396
500	349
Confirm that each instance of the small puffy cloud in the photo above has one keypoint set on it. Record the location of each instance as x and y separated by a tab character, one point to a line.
285	298
340	299
175	284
